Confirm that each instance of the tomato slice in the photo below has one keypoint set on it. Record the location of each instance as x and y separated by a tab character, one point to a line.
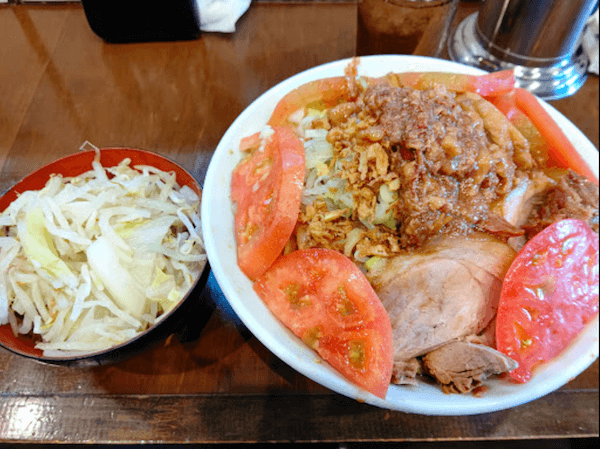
321	296
549	294
266	187
537	143
488	85
561	150
319	94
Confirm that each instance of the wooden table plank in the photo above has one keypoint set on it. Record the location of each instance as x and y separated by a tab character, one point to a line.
28	37
176	98
277	418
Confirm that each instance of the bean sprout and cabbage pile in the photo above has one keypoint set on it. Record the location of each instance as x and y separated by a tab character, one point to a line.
91	261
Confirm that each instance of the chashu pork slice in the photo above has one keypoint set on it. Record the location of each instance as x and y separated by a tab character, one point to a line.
461	366
448	290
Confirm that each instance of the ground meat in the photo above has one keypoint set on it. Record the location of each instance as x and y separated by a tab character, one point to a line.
449	161
436	145
573	197
428	127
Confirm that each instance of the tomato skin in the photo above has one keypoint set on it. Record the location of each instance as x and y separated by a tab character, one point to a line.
325	300
266	187
319	94
548	296
488	85
250	142
561	150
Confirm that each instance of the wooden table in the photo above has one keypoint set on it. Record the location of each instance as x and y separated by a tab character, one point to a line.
60	85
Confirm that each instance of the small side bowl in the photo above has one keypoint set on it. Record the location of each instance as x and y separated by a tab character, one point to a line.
190	304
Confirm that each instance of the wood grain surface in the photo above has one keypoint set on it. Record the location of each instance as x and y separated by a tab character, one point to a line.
61	85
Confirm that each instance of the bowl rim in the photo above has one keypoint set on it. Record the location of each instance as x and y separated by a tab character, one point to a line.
46	171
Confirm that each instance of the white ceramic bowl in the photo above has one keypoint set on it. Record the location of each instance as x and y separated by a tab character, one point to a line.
217	223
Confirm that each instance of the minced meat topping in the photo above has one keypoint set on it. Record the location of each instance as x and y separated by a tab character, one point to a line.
415	164
451	171
434	152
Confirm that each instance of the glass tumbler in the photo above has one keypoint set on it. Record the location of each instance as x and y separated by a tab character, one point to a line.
409	27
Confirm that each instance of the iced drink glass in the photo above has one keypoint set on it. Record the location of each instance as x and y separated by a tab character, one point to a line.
409	27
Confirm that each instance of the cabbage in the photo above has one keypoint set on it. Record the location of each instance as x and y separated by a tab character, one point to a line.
39	247
104	261
317	151
352	239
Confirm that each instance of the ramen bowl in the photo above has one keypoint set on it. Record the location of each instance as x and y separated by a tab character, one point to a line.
423	398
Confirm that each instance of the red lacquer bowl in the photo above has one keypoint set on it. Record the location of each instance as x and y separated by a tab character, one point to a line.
191	305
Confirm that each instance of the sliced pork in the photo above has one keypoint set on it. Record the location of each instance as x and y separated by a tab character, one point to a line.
573	197
404	372
518	205
460	366
448	290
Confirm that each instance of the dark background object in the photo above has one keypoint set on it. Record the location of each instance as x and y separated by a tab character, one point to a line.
121	21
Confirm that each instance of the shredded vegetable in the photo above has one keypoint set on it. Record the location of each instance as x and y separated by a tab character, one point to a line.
323	181
89	262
